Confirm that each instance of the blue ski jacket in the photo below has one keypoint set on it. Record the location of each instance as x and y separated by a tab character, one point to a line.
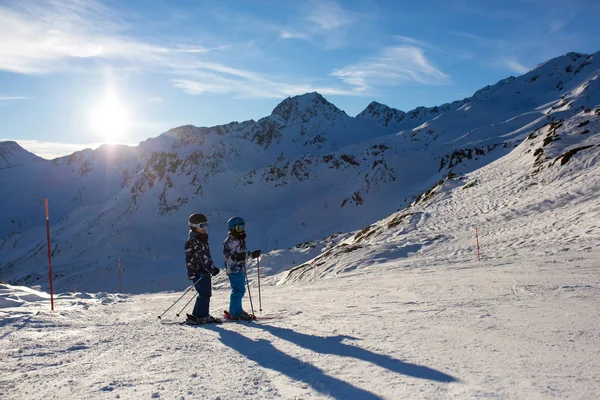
235	253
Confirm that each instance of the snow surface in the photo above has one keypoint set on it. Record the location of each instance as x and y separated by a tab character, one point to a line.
526	327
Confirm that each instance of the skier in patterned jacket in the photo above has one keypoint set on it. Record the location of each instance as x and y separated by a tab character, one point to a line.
234	250
200	268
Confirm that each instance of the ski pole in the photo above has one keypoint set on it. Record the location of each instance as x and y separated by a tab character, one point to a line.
248	284
177	301
258	273
186	304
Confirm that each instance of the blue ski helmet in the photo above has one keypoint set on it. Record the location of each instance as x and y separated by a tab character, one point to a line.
236	224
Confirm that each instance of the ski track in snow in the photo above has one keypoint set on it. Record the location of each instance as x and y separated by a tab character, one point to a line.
525	329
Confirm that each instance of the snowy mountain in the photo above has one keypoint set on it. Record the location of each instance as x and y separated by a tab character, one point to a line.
540	199
451	254
306	172
12	155
382	114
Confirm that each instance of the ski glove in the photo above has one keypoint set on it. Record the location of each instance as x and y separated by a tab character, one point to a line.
215	271
255	254
240	257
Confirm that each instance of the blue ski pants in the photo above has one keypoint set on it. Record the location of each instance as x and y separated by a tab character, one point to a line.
238	289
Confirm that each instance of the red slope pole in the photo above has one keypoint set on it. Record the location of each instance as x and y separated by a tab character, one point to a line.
49	255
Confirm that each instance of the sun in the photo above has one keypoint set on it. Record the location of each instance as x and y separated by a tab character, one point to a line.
110	118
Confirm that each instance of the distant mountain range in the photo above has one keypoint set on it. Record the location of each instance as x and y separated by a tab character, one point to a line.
301	174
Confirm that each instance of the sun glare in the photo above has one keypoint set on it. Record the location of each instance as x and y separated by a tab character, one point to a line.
110	119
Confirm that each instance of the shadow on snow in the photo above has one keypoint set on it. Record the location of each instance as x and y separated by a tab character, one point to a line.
266	355
334	345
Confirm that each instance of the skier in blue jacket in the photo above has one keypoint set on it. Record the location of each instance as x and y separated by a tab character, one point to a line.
234	250
200	268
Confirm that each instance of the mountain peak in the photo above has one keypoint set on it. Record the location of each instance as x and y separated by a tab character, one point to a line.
381	113
570	63
11	145
13	155
374	107
312	103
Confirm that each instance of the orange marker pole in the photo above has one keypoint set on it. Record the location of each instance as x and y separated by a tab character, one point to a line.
49	255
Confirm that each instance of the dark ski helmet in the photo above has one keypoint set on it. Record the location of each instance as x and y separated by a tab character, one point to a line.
236	224
198	221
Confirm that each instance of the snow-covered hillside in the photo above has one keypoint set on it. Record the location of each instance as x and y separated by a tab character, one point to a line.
539	200
300	175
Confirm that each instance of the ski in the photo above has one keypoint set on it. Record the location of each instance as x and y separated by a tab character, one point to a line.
258	318
191	323
265	317
202	323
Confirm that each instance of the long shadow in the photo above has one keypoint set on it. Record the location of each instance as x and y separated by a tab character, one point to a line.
334	345
266	355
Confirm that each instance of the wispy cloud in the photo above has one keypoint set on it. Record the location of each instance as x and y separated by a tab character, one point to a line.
54	35
329	15
198	49
252	88
393	66
513	65
412	41
324	22
156	99
11	98
291	34
34	37
48	36
448	52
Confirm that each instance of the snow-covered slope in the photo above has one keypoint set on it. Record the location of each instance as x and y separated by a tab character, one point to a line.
303	173
539	200
512	326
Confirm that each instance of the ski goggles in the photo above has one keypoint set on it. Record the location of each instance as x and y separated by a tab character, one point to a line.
201	225
239	227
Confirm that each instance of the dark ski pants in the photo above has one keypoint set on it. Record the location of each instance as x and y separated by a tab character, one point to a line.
204	289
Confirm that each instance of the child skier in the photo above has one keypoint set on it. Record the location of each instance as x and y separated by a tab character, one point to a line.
200	268
234	250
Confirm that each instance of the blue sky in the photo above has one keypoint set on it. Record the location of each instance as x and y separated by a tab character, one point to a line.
76	73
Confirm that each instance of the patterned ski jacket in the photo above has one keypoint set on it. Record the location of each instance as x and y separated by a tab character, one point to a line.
234	249
197	254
